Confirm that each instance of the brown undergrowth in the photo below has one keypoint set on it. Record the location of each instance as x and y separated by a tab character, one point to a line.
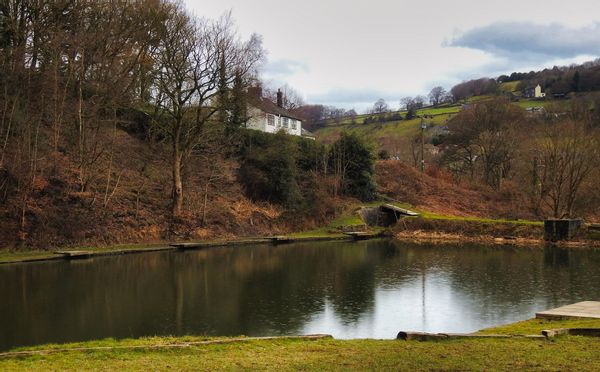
132	205
463	231
436	193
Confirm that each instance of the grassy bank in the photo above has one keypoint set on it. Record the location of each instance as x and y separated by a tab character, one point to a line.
10	256
428	225
161	353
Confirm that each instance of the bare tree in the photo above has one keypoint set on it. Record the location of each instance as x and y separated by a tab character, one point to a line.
411	105
380	107
569	153
190	59
420	101
486	133
313	115
437	95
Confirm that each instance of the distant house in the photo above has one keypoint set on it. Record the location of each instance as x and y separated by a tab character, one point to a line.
269	117
534	92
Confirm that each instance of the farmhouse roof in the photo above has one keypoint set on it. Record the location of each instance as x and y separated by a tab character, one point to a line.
268	106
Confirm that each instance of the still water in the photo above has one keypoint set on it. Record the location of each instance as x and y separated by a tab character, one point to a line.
350	290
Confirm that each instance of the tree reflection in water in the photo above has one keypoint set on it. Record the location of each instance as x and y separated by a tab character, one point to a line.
362	289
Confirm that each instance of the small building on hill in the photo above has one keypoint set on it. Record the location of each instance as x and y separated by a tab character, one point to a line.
266	116
534	92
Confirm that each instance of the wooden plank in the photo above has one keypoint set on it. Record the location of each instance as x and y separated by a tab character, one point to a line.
75	254
424	336
362	235
70	254
199	245
584	309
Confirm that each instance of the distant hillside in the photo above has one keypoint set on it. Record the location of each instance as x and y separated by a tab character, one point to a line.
390	135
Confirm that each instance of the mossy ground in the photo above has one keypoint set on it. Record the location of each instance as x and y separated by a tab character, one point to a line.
8	256
564	353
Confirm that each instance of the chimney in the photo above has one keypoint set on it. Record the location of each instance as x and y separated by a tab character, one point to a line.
279	98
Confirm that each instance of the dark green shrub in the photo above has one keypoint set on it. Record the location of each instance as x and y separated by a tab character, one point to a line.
351	159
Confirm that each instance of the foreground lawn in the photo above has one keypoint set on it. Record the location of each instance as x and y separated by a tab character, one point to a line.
565	353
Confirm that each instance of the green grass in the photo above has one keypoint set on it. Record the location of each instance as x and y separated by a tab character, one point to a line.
565	353
563	104
510	86
593	235
379	132
17	256
7	256
442	110
436	216
353	219
536	326
429	111
332	230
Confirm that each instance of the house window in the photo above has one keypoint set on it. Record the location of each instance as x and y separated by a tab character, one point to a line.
285	122
293	123
270	119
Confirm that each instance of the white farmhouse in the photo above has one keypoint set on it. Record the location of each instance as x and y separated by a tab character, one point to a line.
269	117
534	92
538	92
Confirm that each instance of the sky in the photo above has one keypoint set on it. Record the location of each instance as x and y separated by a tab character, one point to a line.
351	53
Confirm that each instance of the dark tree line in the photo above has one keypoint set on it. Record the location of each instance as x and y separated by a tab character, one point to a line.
473	88
560	80
70	70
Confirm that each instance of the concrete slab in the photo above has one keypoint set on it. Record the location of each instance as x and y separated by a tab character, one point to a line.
585	309
401	211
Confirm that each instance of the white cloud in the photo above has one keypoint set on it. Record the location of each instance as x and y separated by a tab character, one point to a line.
356	52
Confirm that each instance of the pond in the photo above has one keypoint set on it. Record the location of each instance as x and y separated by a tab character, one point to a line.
369	289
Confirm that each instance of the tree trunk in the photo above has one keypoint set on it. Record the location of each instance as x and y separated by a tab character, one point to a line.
81	128
177	183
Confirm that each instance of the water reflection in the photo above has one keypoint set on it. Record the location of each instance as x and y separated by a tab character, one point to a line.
365	289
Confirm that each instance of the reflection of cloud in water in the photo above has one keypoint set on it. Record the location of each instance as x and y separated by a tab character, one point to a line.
427	305
462	289
350	290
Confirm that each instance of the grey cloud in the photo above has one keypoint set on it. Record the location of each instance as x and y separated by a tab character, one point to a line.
530	41
356	98
284	67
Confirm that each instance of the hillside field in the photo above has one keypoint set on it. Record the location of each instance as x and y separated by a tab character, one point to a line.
383	134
